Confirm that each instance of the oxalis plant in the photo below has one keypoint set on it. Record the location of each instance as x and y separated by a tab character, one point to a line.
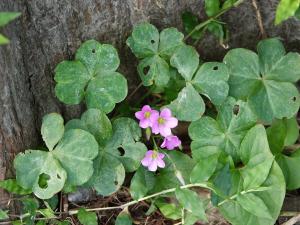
242	127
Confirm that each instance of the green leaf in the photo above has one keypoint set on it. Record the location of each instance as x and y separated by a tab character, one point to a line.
204	169
281	133
154	48
141	183
186	61
94	121
265	79
104	92
3	215
225	133
189	105
272	198
52	129
190	21
176	172
45	165
191	202
123	219
91	75
286	9
30	206
255	205
6	17
255	154
77	149
290	166
3	40
12	186
211	80
218	30
109	174
169	210
87	218
212	7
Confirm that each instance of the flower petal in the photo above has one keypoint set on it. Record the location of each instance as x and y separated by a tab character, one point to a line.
145	123
160	163
153	166
166	113
139	115
146	108
171	122
164	130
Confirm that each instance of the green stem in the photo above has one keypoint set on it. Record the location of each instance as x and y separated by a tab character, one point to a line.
203	24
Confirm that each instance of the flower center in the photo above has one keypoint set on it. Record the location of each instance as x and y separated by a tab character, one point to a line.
154	155
161	120
147	115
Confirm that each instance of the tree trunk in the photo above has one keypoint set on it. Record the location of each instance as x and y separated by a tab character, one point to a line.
50	31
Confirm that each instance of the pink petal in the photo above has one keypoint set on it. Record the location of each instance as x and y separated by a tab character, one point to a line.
145	123
164	131
161	155
171	122
160	163
153	166
155	128
166	113
146	108
154	116
146	161
139	115
163	145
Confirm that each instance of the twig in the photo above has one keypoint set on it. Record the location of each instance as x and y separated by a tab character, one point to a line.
259	19
135	90
293	220
203	24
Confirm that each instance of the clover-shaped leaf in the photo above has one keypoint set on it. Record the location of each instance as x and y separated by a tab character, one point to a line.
226	132
259	201
265	80
119	149
280	134
154	48
45	172
210	80
91	76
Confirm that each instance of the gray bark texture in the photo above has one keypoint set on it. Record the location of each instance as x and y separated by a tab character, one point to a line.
50	31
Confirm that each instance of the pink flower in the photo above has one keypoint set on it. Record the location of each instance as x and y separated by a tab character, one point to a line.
163	122
145	116
171	142
153	159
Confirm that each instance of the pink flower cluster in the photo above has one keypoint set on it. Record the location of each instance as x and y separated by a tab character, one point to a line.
160	123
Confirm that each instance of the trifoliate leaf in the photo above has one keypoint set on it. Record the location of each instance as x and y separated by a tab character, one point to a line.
286	9
212	7
169	210
87	218
45	167
12	186
272	197
226	132
154	48
265	80
46	172
52	129
91	75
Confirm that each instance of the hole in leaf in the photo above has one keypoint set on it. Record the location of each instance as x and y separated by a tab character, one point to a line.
43	180
215	68
239	165
58	177
236	109
93	50
294	98
116	182
146	70
152	41
121	151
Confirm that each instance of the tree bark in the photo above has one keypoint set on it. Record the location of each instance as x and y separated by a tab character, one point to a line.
50	31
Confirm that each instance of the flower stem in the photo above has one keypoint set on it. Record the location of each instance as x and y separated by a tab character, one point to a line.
203	24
